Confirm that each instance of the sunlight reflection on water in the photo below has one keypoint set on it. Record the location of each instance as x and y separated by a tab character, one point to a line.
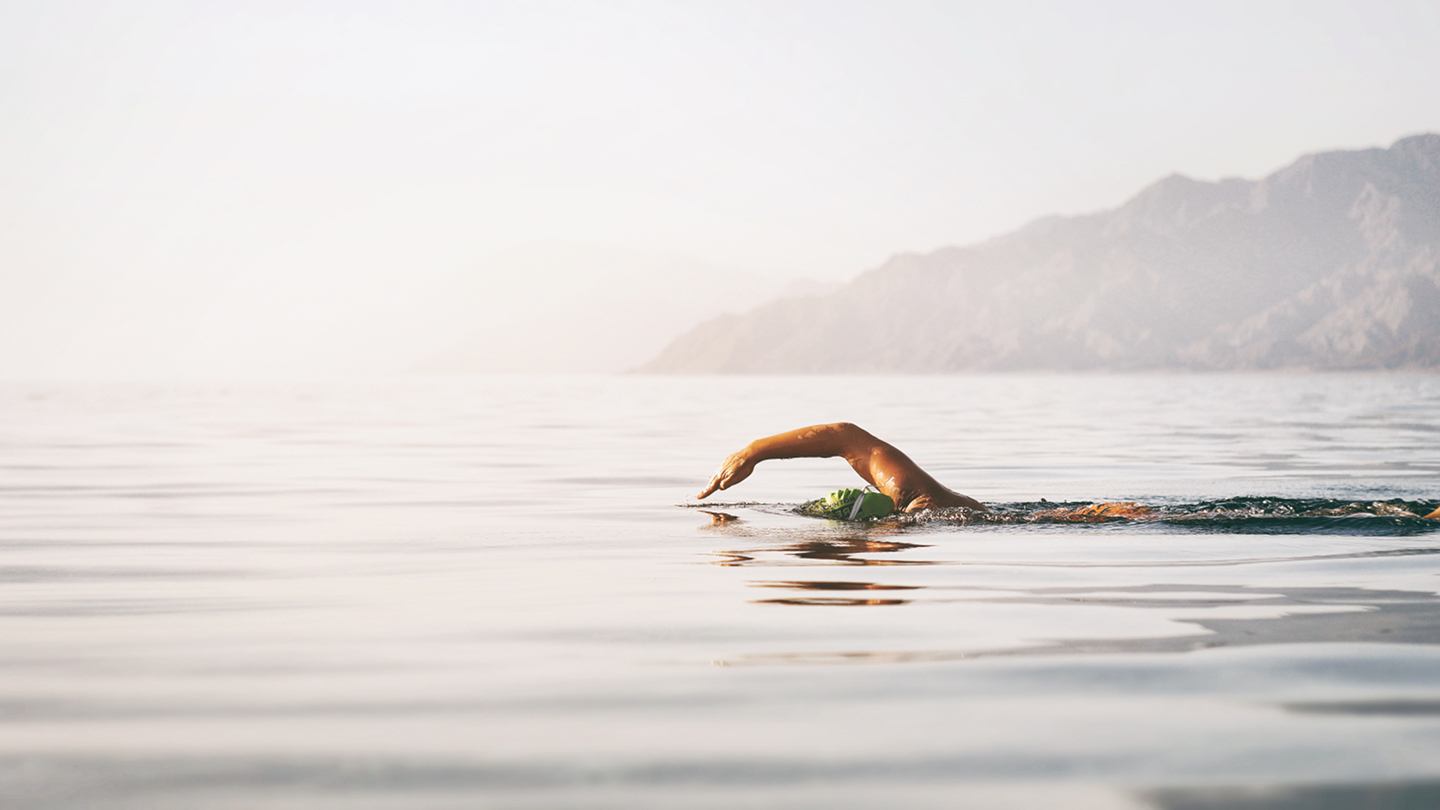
377	594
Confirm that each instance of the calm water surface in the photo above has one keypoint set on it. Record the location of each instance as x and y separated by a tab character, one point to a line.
497	593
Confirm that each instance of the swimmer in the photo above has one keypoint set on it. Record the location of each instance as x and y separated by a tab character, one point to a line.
910	488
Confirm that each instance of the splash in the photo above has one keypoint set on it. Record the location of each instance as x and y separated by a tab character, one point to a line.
1249	514
1254	514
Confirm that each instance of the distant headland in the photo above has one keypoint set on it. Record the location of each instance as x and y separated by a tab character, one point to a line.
1332	262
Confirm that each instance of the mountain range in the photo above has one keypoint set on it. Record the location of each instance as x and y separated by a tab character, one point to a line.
1332	262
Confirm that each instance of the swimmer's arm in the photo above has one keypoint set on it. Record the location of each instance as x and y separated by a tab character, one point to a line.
815	441
877	461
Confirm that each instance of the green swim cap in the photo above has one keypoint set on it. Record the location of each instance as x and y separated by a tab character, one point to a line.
852	504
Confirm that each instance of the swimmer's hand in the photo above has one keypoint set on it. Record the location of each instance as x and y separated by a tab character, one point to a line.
733	470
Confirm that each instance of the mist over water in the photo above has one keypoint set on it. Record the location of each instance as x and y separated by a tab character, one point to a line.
406	584
497	591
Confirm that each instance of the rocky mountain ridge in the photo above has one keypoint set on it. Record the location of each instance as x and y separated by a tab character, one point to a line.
1332	262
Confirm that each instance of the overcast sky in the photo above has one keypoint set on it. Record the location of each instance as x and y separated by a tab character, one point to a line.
301	188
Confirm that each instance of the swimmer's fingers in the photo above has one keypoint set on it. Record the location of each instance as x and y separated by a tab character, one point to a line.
735	469
722	480
709	488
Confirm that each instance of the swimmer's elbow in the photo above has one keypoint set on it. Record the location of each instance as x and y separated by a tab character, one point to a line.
851	431
855	444
853	439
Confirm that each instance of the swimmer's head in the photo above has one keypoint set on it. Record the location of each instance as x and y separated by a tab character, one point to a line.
851	504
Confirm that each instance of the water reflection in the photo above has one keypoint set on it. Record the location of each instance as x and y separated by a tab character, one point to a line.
1321	615
1390	794
841	551
1369	708
1287	614
720	518
829	585
843	546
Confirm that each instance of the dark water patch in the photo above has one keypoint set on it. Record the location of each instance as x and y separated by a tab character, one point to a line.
1370	708
1414	427
1393	795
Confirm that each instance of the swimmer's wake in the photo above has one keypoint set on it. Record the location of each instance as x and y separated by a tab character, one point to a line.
1239	515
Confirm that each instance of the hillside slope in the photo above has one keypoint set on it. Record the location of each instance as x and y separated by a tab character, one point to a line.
1332	262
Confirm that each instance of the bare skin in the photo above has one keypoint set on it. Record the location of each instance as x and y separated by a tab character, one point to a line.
878	462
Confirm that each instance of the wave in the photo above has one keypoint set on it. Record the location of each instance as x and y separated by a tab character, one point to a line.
1247	514
1250	514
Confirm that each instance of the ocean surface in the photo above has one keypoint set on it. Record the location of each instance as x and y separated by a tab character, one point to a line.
499	593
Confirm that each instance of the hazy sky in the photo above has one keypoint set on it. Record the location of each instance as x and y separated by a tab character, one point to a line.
293	188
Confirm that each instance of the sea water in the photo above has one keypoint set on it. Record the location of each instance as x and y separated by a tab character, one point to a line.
498	592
